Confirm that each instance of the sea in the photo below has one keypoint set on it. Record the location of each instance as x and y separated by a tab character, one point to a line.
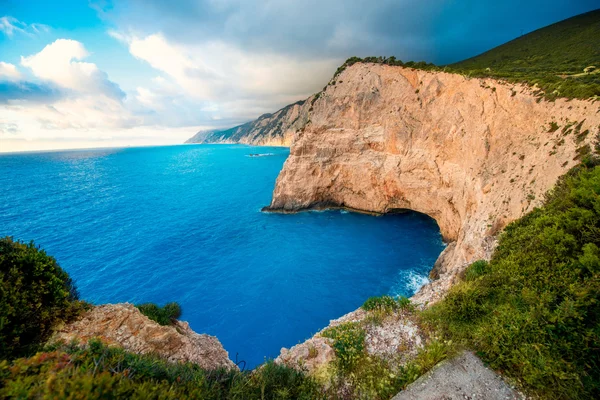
184	224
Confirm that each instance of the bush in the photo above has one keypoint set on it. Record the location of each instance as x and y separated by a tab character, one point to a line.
383	303
534	310
166	315
98	371
386	304
477	269
35	295
348	344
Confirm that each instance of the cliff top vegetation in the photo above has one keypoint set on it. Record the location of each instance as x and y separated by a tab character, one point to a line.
560	60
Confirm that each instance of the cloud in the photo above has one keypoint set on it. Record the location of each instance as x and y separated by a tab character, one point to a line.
9	72
222	74
11	26
61	96
437	31
57	64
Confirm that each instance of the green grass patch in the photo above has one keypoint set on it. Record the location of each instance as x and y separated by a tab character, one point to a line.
386	303
533	311
165	315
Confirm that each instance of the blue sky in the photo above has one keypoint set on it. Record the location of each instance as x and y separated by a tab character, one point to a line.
95	73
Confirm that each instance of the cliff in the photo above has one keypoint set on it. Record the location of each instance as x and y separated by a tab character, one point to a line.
474	154
125	326
277	129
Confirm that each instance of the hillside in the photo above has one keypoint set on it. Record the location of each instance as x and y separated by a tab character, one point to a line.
553	57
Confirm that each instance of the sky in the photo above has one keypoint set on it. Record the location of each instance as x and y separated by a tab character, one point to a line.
104	73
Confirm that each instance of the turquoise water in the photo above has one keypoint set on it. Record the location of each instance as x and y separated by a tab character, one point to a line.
183	223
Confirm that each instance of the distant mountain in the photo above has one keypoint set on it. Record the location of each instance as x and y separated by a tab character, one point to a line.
277	129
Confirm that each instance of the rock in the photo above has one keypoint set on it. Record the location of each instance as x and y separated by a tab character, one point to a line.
474	154
125	326
309	356
463	377
397	340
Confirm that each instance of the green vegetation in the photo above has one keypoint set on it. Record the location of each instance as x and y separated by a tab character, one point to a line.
560	60
35	295
386	61
533	311
386	303
97	371
553	58
348	343
365	376
163	315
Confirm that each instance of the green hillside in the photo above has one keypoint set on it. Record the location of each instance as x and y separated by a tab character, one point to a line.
561	60
553	57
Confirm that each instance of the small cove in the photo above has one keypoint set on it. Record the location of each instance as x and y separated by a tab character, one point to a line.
183	223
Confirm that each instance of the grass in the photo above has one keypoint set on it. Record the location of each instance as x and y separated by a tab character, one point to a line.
386	303
533	311
98	371
166	315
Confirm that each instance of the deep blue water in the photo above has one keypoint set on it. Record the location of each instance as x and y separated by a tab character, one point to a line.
183	223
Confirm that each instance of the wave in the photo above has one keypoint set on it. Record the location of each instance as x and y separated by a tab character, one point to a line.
408	283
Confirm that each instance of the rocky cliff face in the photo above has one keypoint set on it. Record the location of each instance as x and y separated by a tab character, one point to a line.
125	326
474	154
277	129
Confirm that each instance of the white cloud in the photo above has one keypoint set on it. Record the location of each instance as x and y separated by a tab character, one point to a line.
10	25
219	72
9	72
56	63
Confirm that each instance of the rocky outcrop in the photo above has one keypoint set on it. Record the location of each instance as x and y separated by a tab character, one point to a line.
462	377
474	154
125	326
277	129
396	338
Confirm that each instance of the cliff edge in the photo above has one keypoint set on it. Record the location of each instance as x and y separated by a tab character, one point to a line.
474	154
125	326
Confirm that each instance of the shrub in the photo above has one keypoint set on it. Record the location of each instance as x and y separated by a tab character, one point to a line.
534	310
386	303
166	315
477	269
98	371
348	344
35	295
404	303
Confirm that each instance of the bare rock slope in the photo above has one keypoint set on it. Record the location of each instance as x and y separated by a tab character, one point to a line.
474	154
125	326
277	129
463	377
